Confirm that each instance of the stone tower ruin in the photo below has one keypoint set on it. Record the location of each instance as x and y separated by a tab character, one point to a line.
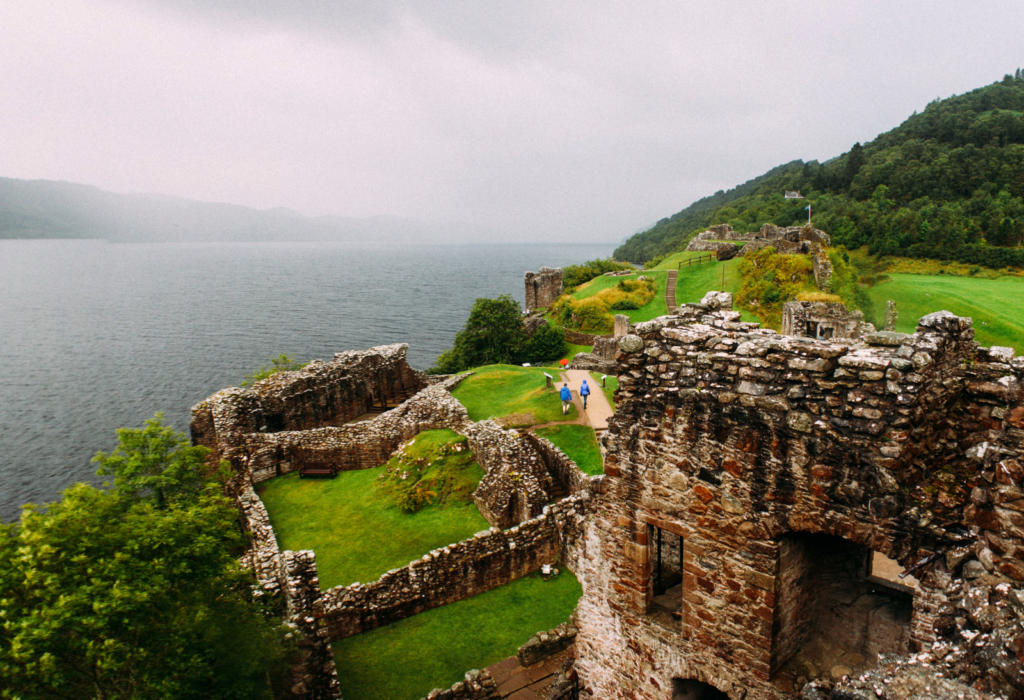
543	287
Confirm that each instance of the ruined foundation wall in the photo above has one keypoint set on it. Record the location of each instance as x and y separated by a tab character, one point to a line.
321	394
362	445
490	559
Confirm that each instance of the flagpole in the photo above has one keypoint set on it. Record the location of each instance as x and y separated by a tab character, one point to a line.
808	214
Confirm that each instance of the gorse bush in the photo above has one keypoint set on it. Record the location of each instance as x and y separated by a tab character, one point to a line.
770	279
436	467
593	314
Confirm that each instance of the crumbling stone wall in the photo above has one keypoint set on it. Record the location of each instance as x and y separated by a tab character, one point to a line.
791	239
361	445
314	676
734	437
321	394
490	559
543	287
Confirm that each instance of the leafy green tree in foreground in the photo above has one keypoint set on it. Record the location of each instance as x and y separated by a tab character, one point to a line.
135	591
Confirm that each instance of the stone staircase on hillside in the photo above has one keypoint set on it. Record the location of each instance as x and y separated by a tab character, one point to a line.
670	291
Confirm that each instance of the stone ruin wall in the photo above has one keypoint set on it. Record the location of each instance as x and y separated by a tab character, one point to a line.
363	445
521	469
543	288
490	559
733	437
786	240
799	318
321	394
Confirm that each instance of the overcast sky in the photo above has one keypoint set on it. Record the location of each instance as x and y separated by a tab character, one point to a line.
574	121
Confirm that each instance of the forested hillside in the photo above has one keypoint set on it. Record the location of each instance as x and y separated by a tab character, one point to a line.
948	183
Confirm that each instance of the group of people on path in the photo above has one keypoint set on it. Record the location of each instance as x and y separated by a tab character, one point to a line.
566	395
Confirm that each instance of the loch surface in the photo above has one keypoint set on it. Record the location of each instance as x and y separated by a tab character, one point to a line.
97	335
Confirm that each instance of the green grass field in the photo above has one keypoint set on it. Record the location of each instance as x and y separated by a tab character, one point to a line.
578	442
354	527
994	304
501	390
654	309
407	659
611	384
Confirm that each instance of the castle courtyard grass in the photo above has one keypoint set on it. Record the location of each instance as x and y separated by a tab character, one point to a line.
407	659
503	390
579	443
995	305
354	527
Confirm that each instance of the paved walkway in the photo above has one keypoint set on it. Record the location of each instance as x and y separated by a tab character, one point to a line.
530	683
598	409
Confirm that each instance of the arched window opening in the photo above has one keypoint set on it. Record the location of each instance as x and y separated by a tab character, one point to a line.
695	690
833	612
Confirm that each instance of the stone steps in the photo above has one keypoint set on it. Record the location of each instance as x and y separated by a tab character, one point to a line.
670	291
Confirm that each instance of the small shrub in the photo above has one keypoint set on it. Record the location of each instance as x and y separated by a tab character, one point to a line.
281	363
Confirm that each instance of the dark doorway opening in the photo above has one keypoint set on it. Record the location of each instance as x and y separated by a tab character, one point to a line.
831	619
695	690
666	580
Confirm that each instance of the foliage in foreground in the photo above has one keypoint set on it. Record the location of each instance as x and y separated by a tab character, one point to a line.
435	467
281	363
945	184
494	334
135	591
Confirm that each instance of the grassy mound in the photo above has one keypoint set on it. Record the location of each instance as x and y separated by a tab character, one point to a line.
356	529
990	302
407	659
503	390
578	442
435	467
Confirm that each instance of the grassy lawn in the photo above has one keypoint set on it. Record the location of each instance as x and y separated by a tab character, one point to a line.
672	261
502	390
654	309
579	442
996	302
407	659
694	282
612	383
354	526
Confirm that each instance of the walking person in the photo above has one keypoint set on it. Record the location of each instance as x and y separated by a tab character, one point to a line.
584	393
566	398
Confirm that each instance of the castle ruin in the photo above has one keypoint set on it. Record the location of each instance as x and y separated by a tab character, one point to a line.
763	497
543	287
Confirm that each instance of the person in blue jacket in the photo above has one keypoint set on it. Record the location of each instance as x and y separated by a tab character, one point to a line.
584	392
566	398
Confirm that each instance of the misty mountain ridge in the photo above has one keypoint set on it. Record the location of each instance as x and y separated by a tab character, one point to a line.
57	209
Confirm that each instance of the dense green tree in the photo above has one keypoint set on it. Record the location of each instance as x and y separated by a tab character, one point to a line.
493	334
547	343
135	591
952	174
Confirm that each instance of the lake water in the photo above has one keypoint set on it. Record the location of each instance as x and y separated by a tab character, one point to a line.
97	335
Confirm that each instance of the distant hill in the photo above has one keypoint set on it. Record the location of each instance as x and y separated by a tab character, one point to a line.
49	209
948	183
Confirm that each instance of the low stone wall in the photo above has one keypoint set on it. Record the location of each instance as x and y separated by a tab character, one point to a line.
517	484
581	338
559	465
544	645
314	677
478	685
490	559
362	445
